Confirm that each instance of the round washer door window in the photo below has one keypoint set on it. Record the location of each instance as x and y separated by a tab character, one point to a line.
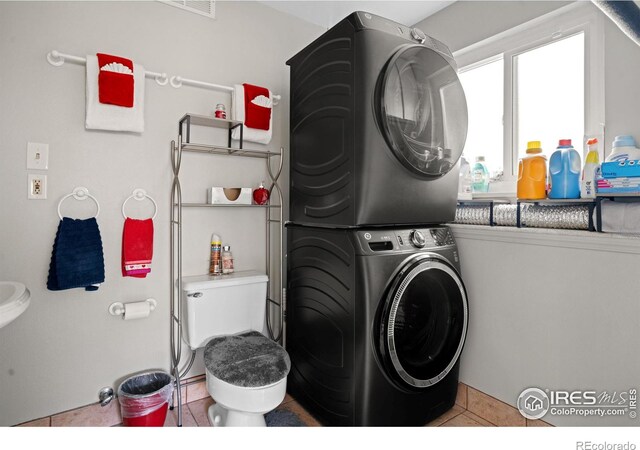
424	322
423	111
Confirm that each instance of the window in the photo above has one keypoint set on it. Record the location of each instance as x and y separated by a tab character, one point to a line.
549	94
542	81
483	87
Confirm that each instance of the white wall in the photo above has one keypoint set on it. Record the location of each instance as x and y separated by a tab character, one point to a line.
66	346
551	310
466	22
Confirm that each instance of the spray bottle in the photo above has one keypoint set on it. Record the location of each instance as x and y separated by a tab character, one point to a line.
591	164
215	268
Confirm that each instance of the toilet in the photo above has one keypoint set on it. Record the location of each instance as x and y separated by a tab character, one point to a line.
246	372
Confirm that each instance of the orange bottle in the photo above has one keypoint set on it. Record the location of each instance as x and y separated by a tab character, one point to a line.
532	174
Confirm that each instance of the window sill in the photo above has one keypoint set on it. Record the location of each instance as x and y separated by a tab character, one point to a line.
494	196
585	240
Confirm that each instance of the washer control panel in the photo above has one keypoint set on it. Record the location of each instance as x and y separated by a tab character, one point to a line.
373	241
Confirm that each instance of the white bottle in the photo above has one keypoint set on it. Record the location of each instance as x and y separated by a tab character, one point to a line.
227	260
464	180
591	165
623	148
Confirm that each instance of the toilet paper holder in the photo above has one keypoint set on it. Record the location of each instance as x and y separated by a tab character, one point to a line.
118	308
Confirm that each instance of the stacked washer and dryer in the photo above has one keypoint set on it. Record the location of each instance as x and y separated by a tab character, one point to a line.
377	311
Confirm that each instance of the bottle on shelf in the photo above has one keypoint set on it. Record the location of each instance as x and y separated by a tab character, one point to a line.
227	260
215	267
464	180
532	173
564	171
590	170
480	176
220	112
623	147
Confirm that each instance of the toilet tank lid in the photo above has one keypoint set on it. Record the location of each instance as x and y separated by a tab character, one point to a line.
202	282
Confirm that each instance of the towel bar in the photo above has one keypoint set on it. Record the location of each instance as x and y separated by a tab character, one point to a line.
178	81
57	59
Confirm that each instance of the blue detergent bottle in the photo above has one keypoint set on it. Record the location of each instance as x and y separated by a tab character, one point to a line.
564	171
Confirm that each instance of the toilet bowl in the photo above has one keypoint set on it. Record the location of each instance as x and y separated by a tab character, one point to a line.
242	407
246	372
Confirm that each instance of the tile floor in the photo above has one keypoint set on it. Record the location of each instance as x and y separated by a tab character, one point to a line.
473	408
194	414
489	412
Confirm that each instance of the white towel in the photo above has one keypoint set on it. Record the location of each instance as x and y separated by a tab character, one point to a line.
100	116
619	217
237	113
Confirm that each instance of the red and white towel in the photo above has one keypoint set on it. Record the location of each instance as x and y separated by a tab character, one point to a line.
115	80
137	247
253	106
115	94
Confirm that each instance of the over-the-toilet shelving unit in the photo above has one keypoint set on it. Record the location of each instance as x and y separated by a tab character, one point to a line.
183	145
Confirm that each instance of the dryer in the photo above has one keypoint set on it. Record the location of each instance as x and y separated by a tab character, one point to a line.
376	323
378	123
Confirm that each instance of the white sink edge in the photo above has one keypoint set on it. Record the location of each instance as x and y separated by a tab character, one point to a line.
15	305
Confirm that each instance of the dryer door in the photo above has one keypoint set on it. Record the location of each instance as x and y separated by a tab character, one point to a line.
423	323
423	111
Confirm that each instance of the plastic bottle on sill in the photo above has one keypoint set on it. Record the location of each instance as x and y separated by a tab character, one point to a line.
464	180
532	173
480	176
623	148
215	267
227	260
591	164
564	171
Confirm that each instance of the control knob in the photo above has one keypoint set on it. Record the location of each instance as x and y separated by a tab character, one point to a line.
417	239
418	35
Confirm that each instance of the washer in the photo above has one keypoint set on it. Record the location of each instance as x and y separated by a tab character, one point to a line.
376	323
378	123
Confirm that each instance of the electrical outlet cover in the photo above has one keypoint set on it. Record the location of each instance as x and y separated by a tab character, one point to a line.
37	186
37	156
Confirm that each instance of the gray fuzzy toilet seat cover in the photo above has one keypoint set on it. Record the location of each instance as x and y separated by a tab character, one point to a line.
246	360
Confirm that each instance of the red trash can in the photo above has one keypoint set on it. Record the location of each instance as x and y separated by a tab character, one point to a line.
144	399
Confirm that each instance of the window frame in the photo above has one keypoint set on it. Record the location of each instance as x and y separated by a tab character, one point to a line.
579	17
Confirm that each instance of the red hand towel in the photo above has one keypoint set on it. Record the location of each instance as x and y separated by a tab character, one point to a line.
137	247
255	116
115	88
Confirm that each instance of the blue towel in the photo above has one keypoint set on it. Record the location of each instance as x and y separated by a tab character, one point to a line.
77	259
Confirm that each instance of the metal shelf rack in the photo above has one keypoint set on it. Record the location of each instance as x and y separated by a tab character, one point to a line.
622	197
490	202
271	219
588	202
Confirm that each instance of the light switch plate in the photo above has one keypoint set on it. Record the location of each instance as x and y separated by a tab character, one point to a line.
37	156
37	186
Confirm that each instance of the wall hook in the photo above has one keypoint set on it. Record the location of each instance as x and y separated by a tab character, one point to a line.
176	81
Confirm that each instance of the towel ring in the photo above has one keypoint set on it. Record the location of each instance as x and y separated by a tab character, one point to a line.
79	193
140	194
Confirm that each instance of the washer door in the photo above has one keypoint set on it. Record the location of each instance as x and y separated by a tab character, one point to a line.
423	322
423	111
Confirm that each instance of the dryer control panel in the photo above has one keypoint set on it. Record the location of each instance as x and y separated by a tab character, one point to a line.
375	241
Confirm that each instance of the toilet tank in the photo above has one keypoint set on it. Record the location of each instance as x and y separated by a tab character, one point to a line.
224	304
